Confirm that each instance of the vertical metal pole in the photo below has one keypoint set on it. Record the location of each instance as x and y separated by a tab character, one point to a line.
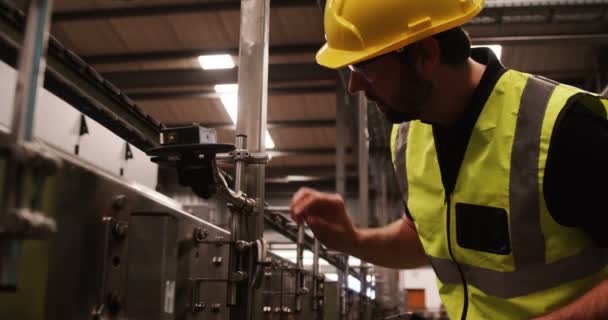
300	267
363	162
235	221
342	100
251	124
32	64
316	278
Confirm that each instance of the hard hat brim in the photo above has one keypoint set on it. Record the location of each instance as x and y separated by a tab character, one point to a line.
336	59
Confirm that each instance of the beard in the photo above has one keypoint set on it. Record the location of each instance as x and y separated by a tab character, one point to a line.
396	117
413	98
414	104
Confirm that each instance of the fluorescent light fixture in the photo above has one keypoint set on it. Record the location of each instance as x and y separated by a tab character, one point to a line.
216	61
227	88
269	142
229	97
494	47
301	178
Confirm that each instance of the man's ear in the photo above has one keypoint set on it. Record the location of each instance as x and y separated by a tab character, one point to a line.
428	57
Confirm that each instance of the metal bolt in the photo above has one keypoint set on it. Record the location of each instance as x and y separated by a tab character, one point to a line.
120	229
217	261
239	276
198	307
215	308
199	234
119	202
241	246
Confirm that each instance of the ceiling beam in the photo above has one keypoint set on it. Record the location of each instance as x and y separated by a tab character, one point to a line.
191	77
289	124
166	9
591	38
312	48
496	11
283	73
210	94
317	152
307	48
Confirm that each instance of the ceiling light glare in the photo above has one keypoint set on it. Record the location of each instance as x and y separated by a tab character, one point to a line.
216	61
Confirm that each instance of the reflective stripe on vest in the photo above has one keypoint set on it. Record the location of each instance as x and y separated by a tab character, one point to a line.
399	144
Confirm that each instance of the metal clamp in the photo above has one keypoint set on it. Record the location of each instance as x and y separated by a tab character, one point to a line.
245	156
262	262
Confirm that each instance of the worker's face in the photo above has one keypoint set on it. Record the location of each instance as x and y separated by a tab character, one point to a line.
394	84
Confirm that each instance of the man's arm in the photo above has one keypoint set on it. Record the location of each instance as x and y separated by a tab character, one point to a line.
393	246
591	306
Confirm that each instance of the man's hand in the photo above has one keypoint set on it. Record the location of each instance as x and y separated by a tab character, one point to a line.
393	246
326	216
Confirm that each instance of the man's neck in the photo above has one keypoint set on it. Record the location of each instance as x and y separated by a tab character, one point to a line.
462	85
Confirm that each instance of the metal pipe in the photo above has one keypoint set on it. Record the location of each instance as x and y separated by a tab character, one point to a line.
300	268
344	290
315	274
235	221
251	123
363	150
32	64
342	100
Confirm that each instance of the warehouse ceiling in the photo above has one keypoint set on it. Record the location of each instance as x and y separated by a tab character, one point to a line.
149	49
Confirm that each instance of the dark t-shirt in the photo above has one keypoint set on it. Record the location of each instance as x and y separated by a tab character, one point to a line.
577	163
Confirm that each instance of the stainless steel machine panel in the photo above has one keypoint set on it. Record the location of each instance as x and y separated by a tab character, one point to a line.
121	251
151	266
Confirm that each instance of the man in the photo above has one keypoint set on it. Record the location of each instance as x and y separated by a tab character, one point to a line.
503	174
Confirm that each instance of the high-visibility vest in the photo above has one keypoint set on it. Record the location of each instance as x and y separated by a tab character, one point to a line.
497	251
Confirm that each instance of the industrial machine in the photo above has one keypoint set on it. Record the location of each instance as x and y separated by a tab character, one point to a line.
80	242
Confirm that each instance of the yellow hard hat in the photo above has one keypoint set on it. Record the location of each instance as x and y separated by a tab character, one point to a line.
357	30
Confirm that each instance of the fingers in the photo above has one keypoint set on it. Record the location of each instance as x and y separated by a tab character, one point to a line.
301	204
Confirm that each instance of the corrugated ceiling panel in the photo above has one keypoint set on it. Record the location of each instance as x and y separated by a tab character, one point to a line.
290	138
90	37
146	33
302	107
296	25
187	111
206	30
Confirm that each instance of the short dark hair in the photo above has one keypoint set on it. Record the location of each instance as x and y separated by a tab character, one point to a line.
455	46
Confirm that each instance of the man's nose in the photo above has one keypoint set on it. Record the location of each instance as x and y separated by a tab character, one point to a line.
357	82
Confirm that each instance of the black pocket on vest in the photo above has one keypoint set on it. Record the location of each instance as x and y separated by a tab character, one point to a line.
482	228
